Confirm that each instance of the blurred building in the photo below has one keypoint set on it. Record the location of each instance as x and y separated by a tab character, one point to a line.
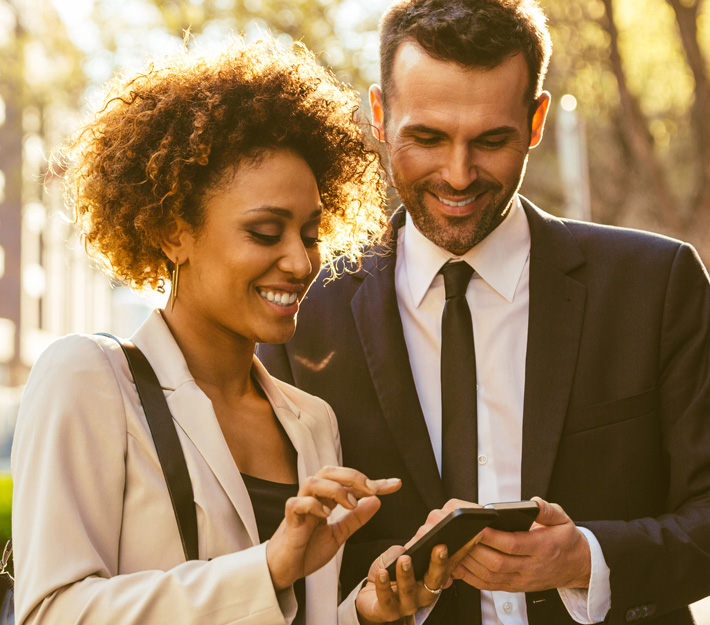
48	287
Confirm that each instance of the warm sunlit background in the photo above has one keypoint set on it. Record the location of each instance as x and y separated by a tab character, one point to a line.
628	139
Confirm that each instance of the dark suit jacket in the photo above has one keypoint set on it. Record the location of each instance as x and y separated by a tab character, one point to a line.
616	421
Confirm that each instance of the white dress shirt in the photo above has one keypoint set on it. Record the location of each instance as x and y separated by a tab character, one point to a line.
498	297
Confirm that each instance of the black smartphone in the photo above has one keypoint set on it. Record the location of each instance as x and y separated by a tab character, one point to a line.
461	525
514	516
454	531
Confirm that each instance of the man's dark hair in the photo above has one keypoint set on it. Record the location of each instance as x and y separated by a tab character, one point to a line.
472	33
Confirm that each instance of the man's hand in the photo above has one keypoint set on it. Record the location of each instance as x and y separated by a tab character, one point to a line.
553	554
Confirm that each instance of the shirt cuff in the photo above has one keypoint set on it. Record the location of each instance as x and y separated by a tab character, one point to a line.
590	605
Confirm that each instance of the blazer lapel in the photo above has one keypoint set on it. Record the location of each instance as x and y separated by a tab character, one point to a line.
380	328
193	412
299	426
292	421
556	316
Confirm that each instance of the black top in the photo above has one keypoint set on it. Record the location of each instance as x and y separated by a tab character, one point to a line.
269	500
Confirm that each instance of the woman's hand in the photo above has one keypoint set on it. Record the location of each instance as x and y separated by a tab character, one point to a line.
305	541
381	601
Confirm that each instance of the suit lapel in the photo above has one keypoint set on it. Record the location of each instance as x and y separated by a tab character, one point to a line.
379	326
556	317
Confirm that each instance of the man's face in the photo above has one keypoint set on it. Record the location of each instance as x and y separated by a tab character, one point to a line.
458	141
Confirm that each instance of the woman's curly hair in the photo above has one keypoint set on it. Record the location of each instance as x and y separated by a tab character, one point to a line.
166	137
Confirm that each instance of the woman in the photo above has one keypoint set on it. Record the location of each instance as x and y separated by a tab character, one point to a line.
229	176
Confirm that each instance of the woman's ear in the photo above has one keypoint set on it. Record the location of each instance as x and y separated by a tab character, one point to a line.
178	240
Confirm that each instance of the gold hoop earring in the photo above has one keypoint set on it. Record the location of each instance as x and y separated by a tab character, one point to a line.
174	286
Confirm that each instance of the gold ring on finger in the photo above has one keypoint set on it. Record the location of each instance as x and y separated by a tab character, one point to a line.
431	590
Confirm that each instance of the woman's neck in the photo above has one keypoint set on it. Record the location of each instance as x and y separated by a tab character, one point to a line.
217	358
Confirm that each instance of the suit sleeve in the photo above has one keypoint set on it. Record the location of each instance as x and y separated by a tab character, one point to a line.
68	463
663	563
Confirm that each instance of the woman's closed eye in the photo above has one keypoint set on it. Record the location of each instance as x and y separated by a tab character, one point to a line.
310	241
263	238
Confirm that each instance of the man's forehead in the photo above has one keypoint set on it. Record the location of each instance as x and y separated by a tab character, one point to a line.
428	87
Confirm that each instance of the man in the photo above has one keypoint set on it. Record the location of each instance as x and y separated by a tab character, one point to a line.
592	364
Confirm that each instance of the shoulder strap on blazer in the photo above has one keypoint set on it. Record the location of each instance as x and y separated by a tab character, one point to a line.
167	444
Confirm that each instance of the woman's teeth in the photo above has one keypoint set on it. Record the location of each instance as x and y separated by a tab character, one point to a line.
280	299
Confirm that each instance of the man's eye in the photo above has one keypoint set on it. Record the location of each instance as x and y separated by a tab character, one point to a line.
426	140
493	143
265	239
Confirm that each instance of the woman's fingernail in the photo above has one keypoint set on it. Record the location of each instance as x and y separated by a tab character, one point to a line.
382	577
393	481
407	566
327	510
352	500
444	554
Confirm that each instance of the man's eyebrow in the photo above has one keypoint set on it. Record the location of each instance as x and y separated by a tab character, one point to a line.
421	128
501	130
424	129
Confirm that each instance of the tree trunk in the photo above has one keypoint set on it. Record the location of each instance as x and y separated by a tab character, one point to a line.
687	19
635	130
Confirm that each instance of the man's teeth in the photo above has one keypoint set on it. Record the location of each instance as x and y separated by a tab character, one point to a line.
464	202
281	299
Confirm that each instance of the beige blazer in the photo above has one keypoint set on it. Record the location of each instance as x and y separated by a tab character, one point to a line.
94	531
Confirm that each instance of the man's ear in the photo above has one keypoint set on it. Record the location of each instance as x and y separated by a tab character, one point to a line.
177	240
538	120
378	113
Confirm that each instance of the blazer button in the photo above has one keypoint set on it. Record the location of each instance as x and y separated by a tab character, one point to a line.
634	614
643	611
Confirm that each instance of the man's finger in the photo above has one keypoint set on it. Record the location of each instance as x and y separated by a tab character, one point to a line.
550	513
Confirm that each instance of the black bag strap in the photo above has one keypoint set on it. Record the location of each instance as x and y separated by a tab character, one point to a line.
167	444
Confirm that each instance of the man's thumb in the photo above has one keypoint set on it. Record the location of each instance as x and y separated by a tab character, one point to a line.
550	513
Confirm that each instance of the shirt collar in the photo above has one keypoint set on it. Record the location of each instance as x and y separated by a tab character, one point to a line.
499	259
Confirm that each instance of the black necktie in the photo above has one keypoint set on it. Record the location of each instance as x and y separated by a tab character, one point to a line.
458	388
459	468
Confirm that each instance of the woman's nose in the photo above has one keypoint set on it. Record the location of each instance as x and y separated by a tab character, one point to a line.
296	260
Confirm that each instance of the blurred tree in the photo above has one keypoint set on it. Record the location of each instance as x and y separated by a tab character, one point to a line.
639	69
343	33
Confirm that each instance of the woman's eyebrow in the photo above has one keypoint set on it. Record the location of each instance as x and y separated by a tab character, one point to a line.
279	211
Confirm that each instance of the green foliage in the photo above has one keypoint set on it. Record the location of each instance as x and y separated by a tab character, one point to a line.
5	509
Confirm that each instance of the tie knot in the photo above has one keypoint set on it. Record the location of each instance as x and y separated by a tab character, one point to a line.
456	278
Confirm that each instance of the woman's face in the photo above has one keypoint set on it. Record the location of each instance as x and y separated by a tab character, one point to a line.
256	254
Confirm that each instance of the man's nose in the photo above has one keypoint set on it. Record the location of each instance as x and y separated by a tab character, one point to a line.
459	170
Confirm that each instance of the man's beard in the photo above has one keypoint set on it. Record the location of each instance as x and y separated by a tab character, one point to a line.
457	235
